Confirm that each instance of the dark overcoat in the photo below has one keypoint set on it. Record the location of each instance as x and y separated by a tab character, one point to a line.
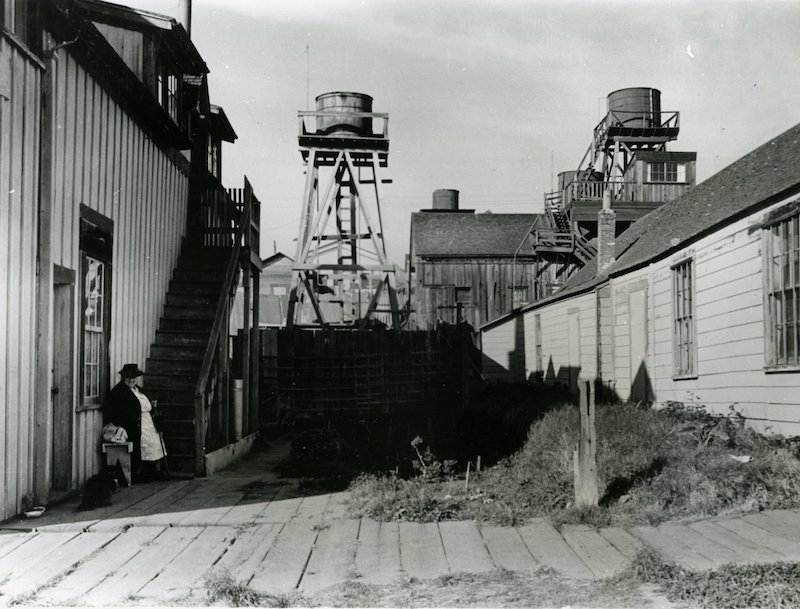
124	410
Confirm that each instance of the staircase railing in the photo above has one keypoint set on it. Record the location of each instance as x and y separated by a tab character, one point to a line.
233	228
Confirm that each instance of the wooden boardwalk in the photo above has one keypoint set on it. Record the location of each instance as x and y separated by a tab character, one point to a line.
159	541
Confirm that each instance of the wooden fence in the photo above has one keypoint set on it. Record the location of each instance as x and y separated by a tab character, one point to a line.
312	372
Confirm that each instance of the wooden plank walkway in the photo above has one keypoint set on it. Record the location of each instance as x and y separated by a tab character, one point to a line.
159	542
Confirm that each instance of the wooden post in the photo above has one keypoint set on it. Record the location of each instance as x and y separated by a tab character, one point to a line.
585	455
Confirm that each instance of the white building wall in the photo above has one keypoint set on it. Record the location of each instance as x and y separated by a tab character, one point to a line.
730	337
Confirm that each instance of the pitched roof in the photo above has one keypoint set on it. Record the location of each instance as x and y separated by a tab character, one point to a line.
766	172
460	234
752	182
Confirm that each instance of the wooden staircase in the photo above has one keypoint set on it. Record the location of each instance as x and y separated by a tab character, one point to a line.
559	237
176	355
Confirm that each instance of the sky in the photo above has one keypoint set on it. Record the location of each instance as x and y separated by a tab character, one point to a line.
492	98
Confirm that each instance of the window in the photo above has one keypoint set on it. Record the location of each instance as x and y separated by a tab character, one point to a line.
666	172
94	328
683	345
213	158
168	92
96	244
783	292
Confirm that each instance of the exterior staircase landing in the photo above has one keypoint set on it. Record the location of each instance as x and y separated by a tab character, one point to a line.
177	353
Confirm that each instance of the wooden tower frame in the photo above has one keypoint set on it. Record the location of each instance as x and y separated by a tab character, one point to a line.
341	259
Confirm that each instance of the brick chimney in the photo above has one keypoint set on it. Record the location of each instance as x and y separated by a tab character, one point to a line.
606	229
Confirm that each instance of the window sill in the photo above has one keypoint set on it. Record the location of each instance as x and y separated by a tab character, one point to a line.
685	377
781	369
87	407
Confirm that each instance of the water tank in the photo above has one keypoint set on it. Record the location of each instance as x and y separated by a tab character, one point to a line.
638	107
445	198
565	178
346	103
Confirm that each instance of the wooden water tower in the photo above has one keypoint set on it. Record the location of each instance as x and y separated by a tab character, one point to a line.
341	275
634	122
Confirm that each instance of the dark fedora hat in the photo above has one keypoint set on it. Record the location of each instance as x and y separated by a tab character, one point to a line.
130	371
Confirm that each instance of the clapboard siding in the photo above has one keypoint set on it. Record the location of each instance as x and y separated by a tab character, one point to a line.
499	354
729	321
19	178
105	161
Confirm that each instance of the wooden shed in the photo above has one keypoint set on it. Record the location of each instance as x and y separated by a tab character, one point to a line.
468	267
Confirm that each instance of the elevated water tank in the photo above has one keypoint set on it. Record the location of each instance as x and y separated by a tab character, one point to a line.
345	123
565	178
445	198
637	107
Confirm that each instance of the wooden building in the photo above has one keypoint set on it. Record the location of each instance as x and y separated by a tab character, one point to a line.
468	267
698	302
105	146
626	167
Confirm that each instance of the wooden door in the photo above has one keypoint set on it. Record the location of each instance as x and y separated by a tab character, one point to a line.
62	387
640	382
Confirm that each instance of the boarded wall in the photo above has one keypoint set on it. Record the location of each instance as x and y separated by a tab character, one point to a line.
105	161
20	87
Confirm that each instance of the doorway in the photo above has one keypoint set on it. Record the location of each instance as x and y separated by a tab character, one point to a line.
62	385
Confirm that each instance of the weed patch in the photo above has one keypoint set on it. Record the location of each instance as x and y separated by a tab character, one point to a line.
774	585
653	466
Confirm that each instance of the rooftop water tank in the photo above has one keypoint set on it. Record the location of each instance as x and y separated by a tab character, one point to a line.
344	123
637	107
565	178
445	198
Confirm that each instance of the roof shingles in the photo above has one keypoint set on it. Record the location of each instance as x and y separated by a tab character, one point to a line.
459	234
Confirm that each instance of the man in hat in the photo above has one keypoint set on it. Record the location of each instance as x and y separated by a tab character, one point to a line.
128	407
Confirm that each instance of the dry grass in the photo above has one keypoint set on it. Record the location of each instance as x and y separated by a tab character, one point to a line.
543	588
653	466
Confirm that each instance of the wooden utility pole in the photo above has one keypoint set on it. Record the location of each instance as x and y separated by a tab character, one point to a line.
585	455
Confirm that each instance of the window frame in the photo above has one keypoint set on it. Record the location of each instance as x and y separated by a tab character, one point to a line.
665	170
96	243
782	231
684	319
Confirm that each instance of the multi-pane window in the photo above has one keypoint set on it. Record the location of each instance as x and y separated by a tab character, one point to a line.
666	171
94	325
683	319
783	292
167	86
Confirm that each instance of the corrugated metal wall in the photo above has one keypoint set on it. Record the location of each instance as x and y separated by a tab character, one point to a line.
20	86
103	159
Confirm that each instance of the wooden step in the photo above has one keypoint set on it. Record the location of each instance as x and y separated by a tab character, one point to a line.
180	463
178	352
185	325
160	380
181	338
182	286
192	300
173	366
188	312
175	428
169	395
180	445
201	275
